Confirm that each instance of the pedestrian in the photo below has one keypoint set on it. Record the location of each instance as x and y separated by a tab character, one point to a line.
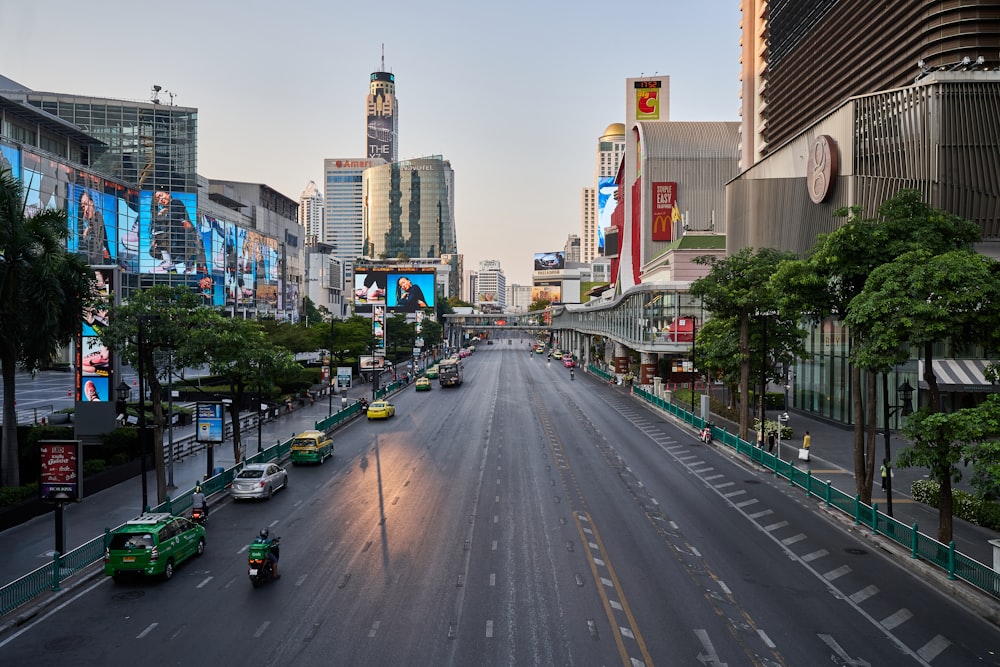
760	439
884	471
770	442
806	440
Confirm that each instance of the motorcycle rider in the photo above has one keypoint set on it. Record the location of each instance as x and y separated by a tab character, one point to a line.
198	502
272	549
572	374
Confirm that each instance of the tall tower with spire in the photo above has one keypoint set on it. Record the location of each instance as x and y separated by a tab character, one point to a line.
383	115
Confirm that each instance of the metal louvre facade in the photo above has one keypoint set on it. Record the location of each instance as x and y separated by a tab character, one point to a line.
940	136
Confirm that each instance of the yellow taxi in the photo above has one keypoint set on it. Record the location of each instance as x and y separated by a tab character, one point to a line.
381	410
311	447
422	384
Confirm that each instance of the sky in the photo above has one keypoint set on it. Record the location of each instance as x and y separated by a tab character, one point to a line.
515	94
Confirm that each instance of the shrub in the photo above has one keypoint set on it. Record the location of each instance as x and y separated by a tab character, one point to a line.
93	466
12	495
968	506
926	491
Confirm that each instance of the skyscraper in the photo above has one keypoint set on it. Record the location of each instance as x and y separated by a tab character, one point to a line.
801	59
598	202
491	287
311	211
342	213
383	115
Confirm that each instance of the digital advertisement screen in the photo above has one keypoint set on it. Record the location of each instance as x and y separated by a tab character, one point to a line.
10	160
209	422
168	239
93	360
606	205
547	292
403	290
90	210
545	261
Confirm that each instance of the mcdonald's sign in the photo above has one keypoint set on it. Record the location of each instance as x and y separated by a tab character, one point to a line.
664	200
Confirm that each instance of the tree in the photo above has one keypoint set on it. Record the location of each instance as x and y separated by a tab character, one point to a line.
836	270
739	288
922	300
350	337
43	290
167	314
540	303
239	351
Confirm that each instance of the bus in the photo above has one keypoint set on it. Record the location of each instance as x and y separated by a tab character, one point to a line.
450	373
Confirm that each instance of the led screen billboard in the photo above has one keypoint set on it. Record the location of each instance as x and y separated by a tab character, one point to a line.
551	292
545	261
403	290
606	205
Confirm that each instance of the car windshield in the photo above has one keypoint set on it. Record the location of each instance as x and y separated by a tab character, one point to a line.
303	442
131	541
250	474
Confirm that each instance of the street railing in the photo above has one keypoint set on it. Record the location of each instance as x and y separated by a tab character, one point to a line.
921	546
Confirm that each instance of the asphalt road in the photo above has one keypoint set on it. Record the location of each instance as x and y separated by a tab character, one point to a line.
521	519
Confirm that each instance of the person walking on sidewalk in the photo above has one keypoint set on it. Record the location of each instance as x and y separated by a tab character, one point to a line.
770	442
884	471
806	440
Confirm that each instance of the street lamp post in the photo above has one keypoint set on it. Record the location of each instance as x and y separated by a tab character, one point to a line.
905	407
140	350
694	335
782	422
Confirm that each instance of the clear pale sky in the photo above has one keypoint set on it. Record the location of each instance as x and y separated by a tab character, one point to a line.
514	94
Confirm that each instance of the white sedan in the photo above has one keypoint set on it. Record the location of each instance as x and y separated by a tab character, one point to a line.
258	480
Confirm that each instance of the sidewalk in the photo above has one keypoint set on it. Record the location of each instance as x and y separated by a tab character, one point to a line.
30	545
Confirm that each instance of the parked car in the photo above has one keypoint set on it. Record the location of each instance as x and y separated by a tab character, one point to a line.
423	384
258	480
381	410
152	544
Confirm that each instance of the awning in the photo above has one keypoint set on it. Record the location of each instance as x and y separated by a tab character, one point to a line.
959	375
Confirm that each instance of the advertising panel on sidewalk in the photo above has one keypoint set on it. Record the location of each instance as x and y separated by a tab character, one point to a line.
209	421
344	374
61	470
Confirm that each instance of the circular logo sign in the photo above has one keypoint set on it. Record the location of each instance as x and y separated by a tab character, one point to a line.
821	171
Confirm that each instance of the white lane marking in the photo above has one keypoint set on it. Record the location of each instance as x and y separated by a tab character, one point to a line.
895	620
493	578
607	582
372	631
712	658
819	553
732	494
297	503
864	594
775	526
202	584
766	639
593	545
696	552
673	525
933	648
273	523
839	650
837	573
793	539
724	485
745	503
489	629
261	629
711	477
598	561
762	513
496	518
146	631
301	580
242	550
725	589
616	604
494	546
626	632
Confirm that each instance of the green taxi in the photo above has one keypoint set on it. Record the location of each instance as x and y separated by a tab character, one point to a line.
152	544
311	447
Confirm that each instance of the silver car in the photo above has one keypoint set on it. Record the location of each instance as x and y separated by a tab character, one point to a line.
258	480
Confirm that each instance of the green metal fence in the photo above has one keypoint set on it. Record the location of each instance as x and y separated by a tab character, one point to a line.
50	576
944	556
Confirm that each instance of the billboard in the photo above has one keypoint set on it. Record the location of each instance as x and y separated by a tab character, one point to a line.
545	261
548	291
647	100
664	204
606	205
403	290
209	422
61	470
93	360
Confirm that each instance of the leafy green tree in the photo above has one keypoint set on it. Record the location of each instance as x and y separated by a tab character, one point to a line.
310	314
739	288
431	331
836	270
539	304
167	314
351	337
399	333
43	290
239	351
923	300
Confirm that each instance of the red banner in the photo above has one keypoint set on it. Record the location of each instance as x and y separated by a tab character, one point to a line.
664	200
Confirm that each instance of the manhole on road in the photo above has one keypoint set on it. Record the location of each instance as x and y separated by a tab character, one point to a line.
854	551
130	595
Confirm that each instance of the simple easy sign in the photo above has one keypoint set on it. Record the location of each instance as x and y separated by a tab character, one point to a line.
61	470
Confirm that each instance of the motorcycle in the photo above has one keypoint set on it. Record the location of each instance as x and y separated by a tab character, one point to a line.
706	434
199	515
572	375
261	568
363	402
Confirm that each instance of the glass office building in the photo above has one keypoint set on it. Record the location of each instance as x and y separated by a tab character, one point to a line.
409	209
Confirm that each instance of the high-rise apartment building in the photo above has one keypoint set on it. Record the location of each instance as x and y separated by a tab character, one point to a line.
383	116
801	59
572	249
598	202
311	212
408	209
491	287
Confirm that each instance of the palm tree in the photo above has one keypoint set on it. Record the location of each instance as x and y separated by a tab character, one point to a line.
43	289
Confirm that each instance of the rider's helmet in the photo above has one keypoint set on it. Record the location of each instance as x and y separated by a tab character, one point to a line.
264	533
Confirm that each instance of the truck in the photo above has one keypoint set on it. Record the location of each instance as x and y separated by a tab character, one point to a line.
450	373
